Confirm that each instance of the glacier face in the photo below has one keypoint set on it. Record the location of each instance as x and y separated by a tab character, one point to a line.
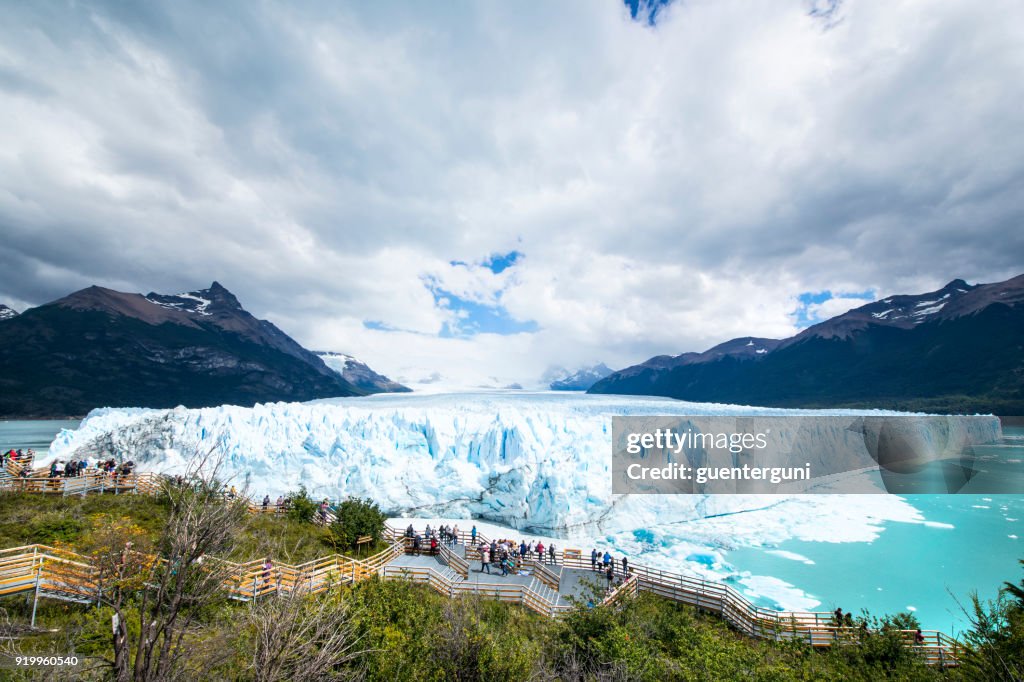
537	461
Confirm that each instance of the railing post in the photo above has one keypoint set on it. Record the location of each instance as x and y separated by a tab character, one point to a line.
35	597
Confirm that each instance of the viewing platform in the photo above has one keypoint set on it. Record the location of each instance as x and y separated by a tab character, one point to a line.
551	587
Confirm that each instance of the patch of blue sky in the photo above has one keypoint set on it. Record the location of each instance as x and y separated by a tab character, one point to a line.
805	311
478	318
646	10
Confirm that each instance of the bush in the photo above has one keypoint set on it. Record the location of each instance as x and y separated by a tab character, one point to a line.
357	517
301	506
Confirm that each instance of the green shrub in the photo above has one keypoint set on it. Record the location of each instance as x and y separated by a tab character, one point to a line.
302	507
357	517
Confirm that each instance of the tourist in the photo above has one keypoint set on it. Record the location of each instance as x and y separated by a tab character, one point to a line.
433	545
472	535
280	503
610	575
551	553
607	559
485	559
266	502
494	548
540	551
410	532
522	549
417	542
267	568
838	617
323	511
593	559
919	637
455	535
625	567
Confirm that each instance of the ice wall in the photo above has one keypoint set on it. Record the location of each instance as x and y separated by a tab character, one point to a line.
533	461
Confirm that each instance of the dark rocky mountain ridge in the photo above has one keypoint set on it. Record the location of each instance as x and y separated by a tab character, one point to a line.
359	374
957	349
99	347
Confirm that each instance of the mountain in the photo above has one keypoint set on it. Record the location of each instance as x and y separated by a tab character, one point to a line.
7	313
98	347
359	374
957	349
581	379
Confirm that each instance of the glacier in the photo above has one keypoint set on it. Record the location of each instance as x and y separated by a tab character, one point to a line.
539	463
534	461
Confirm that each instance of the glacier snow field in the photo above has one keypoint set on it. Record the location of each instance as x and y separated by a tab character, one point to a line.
538	465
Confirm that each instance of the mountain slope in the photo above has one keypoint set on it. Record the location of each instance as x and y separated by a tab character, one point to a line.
98	347
960	348
581	379
7	313
359	374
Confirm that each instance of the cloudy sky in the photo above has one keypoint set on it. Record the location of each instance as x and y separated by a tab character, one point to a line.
484	190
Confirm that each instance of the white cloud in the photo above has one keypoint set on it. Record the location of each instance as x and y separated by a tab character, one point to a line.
818	312
670	187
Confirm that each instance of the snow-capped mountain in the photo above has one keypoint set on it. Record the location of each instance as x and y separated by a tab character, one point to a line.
7	313
581	379
359	374
955	349
100	347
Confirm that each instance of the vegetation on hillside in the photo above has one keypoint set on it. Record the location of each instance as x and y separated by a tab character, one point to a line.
379	630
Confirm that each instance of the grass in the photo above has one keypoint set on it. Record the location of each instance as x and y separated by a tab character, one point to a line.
407	631
29	518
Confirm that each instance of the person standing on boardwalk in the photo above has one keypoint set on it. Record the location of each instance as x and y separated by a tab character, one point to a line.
551	553
625	567
610	575
593	559
472	535
485	558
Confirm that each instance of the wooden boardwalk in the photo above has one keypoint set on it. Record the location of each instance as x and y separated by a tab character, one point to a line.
59	574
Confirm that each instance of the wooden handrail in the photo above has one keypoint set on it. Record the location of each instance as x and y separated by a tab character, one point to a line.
814	627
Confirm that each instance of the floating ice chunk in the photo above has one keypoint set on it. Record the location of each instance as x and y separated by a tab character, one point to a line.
793	556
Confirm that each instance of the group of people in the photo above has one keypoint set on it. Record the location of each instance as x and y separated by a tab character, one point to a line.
508	557
77	467
20	456
605	563
281	504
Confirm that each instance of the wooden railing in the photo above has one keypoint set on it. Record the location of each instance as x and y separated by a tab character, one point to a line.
94	481
14	466
62	574
55	572
815	628
515	593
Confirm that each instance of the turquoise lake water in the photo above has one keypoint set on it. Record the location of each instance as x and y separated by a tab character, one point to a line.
908	565
35	434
